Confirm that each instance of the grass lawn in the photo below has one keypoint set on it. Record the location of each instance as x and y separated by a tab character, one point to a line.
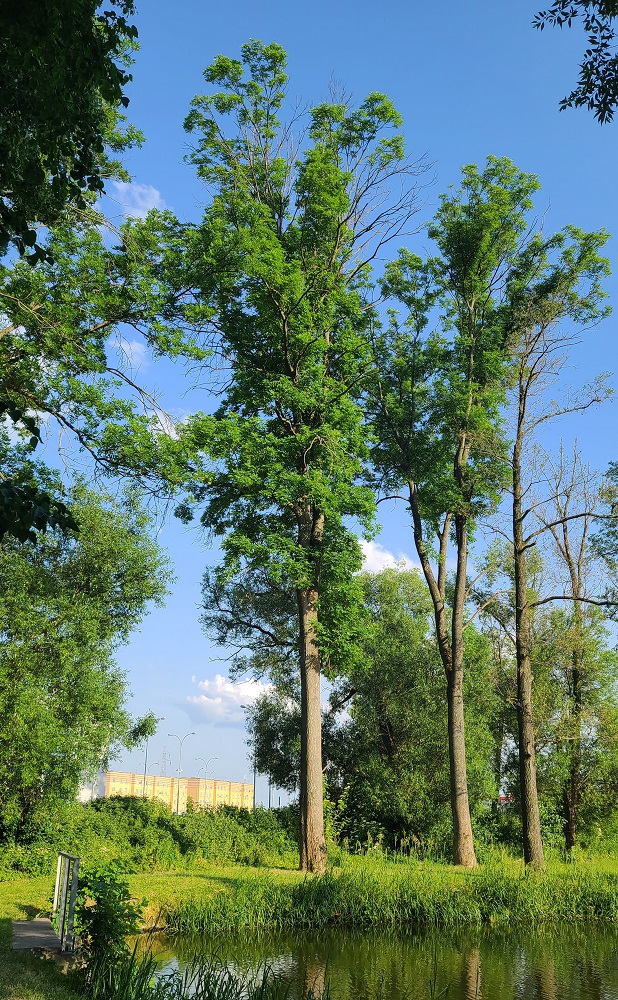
165	890
22	975
363	891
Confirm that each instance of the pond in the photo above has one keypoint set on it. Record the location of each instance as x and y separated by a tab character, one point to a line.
575	962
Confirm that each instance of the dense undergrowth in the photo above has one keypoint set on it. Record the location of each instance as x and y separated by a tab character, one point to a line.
378	894
140	835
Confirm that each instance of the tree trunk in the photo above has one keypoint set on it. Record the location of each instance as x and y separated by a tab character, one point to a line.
463	842
451	653
312	843
531	823
571	794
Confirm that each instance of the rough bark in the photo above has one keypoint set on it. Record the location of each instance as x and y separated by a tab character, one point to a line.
531	824
312	842
463	841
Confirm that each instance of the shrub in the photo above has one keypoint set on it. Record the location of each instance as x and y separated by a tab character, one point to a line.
134	834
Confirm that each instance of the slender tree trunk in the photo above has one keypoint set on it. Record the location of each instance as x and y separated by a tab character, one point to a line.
531	824
463	842
452	661
499	750
572	789
312	842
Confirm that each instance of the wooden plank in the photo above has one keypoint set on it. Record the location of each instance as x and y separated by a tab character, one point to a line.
37	933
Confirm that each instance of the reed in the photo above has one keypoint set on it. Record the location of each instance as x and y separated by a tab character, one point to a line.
135	977
393	896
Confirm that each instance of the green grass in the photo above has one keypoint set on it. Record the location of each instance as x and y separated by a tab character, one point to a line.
24	977
361	892
369	892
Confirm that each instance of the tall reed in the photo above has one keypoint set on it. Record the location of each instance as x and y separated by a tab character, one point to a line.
134	977
392	897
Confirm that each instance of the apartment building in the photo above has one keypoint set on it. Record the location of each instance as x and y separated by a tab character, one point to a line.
204	793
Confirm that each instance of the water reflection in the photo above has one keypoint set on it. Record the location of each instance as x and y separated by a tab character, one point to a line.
577	962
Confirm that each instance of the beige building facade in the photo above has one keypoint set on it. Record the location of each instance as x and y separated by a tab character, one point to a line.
204	793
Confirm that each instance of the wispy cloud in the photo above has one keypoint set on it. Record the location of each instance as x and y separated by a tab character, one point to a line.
133	354
137	199
221	701
376	558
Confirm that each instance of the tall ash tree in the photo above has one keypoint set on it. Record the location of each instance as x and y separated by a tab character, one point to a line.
276	275
557	284
436	409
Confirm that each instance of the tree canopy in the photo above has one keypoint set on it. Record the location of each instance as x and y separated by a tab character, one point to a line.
64	69
67	601
597	86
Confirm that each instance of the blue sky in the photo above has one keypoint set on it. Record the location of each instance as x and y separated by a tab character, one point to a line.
470	80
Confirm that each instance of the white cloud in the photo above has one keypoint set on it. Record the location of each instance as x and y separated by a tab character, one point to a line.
133	354
137	199
135	351
221	701
376	558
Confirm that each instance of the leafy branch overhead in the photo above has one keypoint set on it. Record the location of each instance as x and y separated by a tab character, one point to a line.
597	86
64	70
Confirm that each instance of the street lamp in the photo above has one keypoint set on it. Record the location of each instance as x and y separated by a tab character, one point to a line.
181	741
160	719
206	763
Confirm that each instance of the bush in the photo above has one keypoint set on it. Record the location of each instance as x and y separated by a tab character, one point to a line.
134	834
105	914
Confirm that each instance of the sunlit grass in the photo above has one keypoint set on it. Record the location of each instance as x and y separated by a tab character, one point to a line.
370	892
358	892
22	975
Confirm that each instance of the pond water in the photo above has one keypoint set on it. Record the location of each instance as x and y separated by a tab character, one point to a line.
575	962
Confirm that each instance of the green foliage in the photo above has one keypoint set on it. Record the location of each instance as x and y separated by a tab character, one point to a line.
442	393
605	539
589	729
597	86
275	274
105	913
67	601
64	73
56	321
133	835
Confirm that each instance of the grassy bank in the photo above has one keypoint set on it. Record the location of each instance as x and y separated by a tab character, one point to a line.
360	892
368	894
25	977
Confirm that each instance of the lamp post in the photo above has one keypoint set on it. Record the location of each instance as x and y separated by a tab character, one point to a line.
205	770
145	768
154	780
206	763
160	719
180	741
